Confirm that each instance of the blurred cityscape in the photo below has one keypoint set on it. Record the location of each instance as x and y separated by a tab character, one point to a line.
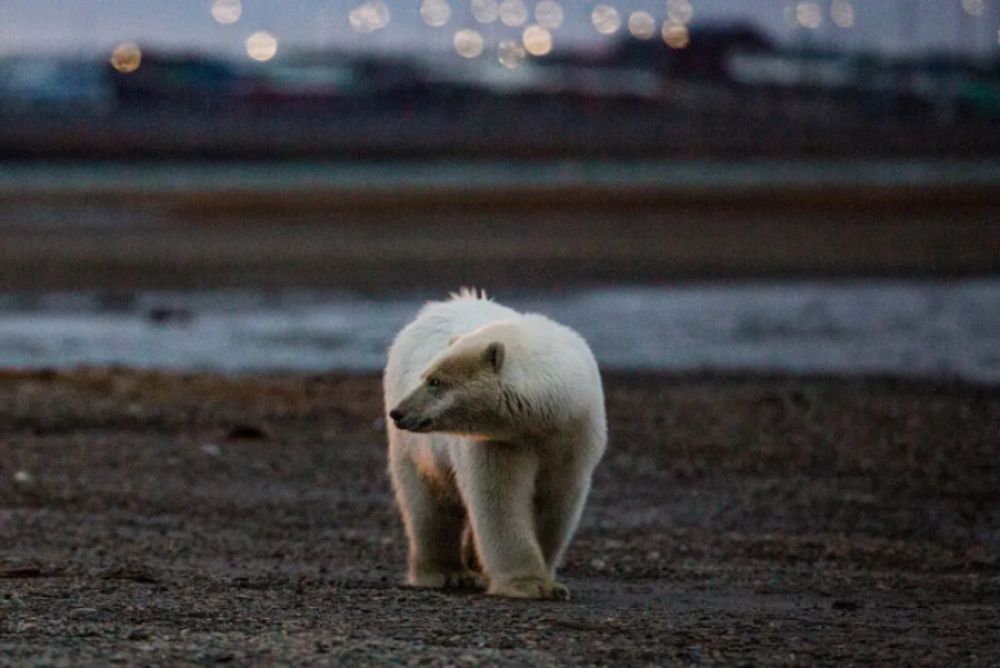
670	89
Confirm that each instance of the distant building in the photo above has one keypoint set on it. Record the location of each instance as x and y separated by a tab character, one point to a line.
706	55
49	83
178	80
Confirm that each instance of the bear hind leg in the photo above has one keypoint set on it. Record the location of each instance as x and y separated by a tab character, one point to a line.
470	558
434	524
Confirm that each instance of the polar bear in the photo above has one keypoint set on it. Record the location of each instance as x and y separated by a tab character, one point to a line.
496	422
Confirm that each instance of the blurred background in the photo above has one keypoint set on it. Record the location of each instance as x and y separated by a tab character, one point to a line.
237	185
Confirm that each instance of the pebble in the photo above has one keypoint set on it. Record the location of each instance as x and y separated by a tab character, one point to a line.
211	449
247	432
82	613
598	564
849	606
23	478
218	656
11	600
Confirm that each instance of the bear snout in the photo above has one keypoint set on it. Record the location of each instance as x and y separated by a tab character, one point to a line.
408	422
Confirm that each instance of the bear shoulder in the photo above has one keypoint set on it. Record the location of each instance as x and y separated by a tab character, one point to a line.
553	361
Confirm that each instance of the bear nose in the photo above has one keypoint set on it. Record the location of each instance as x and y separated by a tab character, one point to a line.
396	415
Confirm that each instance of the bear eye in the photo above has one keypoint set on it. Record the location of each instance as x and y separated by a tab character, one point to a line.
433	382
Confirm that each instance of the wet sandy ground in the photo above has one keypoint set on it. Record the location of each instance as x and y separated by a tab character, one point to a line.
190	519
433	242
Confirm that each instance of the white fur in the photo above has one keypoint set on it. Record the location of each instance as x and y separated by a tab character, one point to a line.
520	485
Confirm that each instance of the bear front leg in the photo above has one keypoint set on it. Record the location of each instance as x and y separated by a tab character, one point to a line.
434	527
559	504
497	483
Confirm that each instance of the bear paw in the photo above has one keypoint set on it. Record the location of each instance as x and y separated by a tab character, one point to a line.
431	578
531	587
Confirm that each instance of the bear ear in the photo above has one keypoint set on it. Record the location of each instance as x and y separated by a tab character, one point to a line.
493	355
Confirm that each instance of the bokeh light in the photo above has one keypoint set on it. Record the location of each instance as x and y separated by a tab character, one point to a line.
227	11
808	15
435	13
485	11
126	57
675	35
262	46
513	13
680	11
974	7
468	43
842	13
537	40
370	16
511	53
605	19
549	14
642	25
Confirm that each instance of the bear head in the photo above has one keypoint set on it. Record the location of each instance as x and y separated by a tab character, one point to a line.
462	392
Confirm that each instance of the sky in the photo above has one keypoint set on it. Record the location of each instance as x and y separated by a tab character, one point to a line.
95	26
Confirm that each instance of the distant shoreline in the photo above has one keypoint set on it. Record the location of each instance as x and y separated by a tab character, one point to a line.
377	227
256	190
489	128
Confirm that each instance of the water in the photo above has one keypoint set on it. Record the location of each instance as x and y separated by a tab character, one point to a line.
89	178
915	329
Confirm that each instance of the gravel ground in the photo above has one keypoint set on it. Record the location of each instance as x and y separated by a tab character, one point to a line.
166	519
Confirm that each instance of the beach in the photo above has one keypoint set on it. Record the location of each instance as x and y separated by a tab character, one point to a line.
804	440
189	518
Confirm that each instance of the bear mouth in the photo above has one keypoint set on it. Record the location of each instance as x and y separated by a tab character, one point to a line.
417	426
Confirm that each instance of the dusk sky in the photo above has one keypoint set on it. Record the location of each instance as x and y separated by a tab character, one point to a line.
39	26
